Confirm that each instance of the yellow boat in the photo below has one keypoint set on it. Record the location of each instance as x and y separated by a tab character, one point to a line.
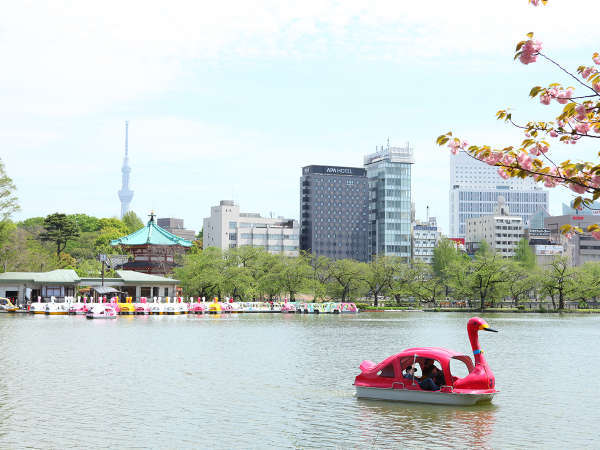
6	305
126	308
214	308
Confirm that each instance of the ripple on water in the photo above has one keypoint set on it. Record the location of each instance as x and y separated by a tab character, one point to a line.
262	380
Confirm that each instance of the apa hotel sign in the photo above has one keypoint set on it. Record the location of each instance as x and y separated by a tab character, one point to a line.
335	170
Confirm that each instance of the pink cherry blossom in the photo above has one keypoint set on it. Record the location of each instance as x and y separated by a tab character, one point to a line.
553	92
596	86
508	160
582	127
581	111
577	188
529	51
454	146
596	235
545	99
464	145
569	235
553	133
493	158
550	182
503	173
596	59
585	73
524	161
564	95
595	181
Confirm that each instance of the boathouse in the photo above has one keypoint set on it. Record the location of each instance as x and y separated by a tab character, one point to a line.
153	248
24	286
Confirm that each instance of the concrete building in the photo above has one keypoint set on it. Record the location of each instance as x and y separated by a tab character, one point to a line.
592	210
543	246
389	174
61	283
334	212
581	248
227	227
425	237
475	188
500	230
175	226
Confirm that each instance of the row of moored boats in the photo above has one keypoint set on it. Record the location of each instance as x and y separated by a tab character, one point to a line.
110	309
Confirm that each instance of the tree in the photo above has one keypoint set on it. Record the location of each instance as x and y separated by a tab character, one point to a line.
424	285
295	274
202	273
400	283
378	275
8	200
132	221
487	272
444	256
59	229
346	278
578	119
558	280
524	255
520	280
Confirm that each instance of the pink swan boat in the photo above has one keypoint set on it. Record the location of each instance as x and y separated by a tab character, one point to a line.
387	381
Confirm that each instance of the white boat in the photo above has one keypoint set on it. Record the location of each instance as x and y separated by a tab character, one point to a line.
37	308
102	311
78	308
157	308
57	309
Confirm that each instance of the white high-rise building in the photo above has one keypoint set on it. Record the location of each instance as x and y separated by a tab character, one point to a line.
475	187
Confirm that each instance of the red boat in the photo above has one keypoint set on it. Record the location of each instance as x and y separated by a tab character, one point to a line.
389	380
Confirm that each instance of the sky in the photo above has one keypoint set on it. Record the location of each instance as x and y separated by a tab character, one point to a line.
228	100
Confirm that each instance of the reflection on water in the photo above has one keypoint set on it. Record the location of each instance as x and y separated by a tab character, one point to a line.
283	380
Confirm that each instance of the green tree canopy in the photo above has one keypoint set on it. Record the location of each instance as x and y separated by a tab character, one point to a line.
8	200
132	222
59	229
524	254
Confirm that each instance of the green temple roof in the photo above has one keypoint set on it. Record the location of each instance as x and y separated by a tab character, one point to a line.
151	234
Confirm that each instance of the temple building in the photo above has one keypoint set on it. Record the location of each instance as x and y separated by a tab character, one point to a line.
153	248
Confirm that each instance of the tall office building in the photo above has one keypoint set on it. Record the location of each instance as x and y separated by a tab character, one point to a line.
334	212
125	194
389	174
476	186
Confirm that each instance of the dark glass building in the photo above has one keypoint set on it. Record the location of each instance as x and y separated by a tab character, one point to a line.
334	207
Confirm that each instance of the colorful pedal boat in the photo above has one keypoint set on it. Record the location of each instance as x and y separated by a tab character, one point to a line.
386	381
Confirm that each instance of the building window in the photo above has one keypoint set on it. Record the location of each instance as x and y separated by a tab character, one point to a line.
232	225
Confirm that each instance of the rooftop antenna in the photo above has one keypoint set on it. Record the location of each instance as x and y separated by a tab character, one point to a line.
427	213
388	143
126	138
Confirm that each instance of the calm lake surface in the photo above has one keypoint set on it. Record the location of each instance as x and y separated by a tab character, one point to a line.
275	380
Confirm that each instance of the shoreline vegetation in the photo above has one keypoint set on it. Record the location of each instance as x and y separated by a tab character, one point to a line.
480	282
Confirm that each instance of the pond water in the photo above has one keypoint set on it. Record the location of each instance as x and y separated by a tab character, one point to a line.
259	380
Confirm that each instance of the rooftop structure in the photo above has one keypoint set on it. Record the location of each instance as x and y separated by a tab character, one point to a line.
581	248
125	194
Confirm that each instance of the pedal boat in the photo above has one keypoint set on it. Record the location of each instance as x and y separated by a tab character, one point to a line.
102	311
385	381
56	309
7	306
